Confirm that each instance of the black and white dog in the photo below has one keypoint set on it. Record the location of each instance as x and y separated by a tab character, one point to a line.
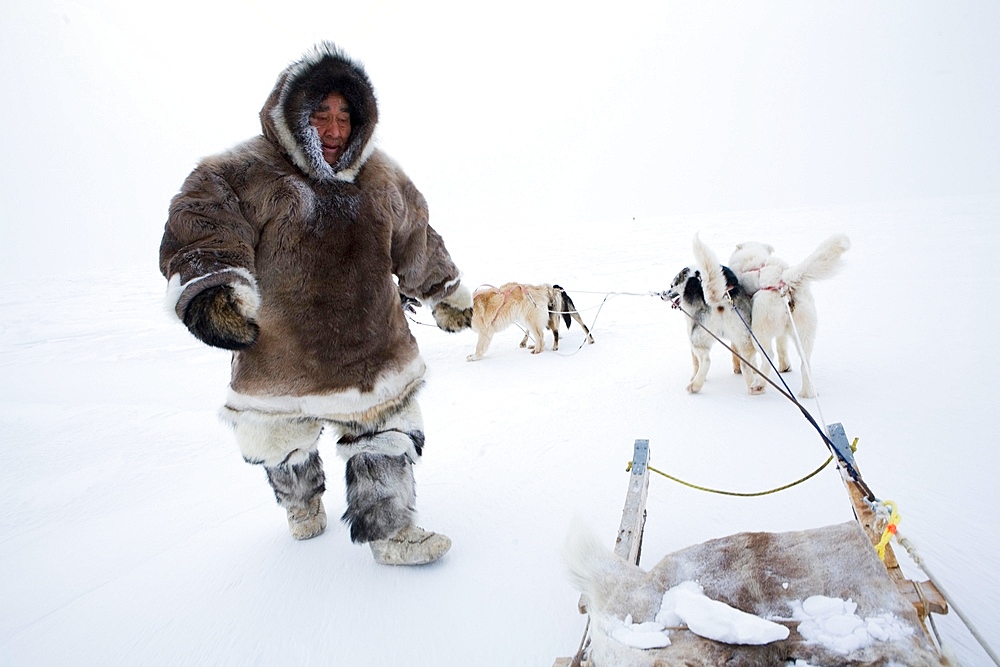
713	299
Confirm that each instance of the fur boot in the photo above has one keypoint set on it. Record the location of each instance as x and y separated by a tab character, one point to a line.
299	489
304	523
380	496
410	546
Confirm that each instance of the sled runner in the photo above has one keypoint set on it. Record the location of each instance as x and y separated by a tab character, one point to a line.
782	577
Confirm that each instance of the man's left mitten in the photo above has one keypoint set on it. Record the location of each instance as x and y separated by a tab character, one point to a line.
216	316
454	312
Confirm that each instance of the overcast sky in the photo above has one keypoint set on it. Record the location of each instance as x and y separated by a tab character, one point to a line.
505	115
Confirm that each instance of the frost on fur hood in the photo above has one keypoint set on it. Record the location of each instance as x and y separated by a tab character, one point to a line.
298	92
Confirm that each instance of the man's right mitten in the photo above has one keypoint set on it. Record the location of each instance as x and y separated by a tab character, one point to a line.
215	316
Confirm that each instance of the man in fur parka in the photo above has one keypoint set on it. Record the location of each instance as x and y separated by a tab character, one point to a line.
283	249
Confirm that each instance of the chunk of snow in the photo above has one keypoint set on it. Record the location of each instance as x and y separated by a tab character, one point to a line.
716	620
833	623
639	635
687	604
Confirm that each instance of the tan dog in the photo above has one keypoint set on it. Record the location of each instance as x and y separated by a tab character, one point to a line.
535	307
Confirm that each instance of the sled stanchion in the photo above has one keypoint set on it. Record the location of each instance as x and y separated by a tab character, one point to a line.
628	545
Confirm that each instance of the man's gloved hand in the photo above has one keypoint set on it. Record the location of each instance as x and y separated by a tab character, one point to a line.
454	312
215	316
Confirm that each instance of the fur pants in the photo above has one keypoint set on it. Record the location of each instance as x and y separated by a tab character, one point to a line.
381	491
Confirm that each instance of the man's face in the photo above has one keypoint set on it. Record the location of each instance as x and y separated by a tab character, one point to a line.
332	121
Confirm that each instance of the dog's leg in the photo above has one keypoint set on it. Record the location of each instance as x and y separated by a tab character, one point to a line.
538	333
737	366
784	365
807	391
579	320
524	341
702	362
482	345
553	325
755	383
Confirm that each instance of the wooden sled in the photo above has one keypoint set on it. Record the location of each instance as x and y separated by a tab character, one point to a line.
761	574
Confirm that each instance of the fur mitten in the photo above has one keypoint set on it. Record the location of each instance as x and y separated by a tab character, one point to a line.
216	317
454	312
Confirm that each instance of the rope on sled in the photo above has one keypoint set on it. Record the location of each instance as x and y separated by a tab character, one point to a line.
784	487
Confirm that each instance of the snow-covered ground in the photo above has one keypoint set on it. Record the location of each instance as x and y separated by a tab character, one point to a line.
555	143
133	533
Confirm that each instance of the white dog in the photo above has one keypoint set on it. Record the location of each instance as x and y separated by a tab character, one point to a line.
770	281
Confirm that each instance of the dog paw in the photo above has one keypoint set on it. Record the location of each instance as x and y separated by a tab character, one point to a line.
693	389
756	390
472	357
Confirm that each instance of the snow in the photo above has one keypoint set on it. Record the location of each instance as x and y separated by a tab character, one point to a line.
687	605
131	532
833	623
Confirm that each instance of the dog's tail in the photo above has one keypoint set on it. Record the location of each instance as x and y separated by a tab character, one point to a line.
824	262
564	305
594	569
713	279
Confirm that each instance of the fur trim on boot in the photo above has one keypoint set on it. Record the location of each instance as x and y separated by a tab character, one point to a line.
410	546
307	522
299	489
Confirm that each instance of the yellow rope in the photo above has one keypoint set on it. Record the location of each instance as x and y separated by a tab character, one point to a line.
735	493
890	528
854	448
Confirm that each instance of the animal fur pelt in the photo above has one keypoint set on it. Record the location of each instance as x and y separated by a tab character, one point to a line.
770	280
534	307
763	574
713	299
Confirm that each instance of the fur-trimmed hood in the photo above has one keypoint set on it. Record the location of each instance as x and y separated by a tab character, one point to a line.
300	89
